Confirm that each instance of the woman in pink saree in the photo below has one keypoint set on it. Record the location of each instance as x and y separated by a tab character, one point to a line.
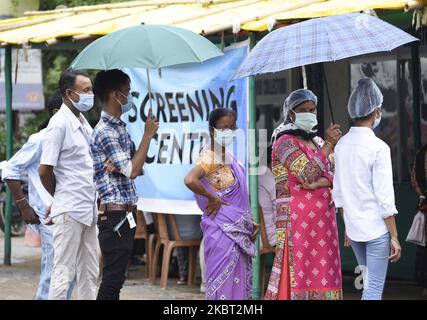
219	184
307	263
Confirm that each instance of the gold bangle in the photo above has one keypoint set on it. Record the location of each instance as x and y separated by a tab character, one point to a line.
20	200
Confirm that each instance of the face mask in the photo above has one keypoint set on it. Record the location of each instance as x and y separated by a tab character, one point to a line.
224	137
85	102
305	121
377	122
128	105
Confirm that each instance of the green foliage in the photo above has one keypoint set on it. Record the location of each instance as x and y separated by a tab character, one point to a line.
15	5
20	137
52	4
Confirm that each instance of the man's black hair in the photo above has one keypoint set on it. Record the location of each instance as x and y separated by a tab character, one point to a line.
68	79
218	113
107	81
54	102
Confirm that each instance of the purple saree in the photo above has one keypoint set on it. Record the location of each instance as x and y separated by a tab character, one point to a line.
228	249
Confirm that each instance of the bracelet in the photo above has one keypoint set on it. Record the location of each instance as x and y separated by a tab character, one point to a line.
326	141
422	197
20	200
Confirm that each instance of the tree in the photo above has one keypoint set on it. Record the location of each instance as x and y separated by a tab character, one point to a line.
52	4
53	63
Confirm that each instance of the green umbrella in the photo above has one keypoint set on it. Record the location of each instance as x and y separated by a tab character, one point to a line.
145	46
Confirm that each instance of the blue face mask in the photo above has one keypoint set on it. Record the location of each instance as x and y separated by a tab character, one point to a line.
128	105
85	102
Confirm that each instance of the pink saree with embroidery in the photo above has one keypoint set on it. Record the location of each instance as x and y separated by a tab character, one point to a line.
307	264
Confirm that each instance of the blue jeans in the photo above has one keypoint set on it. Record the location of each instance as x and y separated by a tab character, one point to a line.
372	257
46	262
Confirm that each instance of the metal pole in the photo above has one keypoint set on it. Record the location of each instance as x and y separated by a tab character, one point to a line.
253	178
327	92
416	84
9	148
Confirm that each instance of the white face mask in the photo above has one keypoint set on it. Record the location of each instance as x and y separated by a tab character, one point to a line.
305	121
224	137
377	122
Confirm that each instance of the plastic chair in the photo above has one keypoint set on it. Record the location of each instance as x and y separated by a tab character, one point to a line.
150	240
168	247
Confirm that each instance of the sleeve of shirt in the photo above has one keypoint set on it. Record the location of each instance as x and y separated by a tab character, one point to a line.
25	157
109	141
295	161
382	181
263	196
336	194
52	144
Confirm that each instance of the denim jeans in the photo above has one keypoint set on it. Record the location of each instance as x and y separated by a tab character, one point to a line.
46	262
372	257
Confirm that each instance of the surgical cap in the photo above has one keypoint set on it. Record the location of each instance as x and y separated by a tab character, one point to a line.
364	99
296	98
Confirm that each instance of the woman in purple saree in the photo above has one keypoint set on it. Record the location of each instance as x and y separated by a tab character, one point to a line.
219	184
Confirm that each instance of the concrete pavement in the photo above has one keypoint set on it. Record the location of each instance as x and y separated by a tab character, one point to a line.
20	281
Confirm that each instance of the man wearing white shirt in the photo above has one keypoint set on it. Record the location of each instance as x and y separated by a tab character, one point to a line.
363	190
66	171
27	160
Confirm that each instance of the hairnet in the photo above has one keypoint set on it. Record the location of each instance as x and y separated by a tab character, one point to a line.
364	99
296	98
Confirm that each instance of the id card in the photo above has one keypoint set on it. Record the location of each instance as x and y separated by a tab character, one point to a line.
131	220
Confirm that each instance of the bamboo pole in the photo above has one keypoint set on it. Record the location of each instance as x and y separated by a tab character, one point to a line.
260	15
253	177
81	37
58	35
9	147
30	23
217	11
131	4
51	42
414	4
